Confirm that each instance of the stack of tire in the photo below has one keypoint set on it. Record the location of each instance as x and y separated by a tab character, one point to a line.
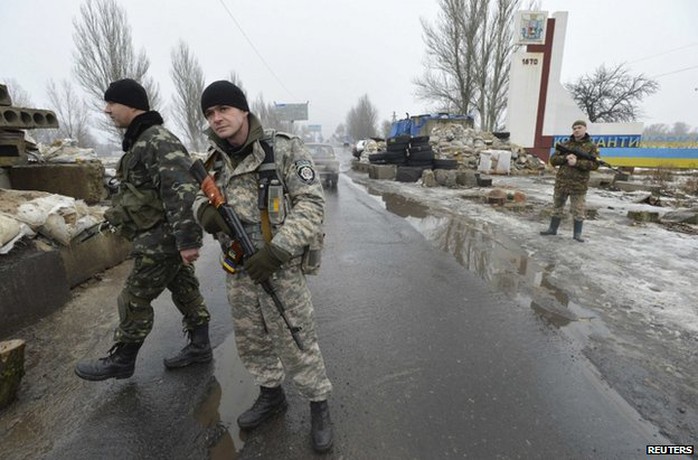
395	154
412	155
420	156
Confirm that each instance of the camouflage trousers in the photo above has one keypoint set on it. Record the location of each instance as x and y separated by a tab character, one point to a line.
264	343
577	204
150	276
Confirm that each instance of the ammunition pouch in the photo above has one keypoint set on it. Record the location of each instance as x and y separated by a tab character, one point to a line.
135	210
312	255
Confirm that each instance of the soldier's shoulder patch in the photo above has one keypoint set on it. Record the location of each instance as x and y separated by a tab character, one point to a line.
305	171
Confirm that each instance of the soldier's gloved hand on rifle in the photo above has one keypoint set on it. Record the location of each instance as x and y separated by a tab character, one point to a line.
211	220
266	261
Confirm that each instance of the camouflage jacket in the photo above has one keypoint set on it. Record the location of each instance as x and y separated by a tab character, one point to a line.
156	195
574	179
304	200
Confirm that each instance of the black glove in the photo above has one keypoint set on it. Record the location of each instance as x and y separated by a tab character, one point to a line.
264	262
211	220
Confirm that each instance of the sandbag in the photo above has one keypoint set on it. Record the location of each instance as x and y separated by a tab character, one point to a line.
9	229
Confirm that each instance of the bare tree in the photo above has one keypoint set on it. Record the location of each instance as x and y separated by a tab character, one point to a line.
339	133
269	116
682	129
188	78
655	129
386	126
611	94
20	96
447	80
362	119
235	79
72	113
104	53
468	55
678	129
493	63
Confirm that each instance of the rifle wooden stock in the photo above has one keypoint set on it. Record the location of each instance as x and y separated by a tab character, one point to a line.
216	198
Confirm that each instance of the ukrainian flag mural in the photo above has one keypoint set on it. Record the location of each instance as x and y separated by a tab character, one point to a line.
680	152
652	157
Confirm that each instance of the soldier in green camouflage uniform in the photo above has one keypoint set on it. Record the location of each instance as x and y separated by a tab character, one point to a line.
153	210
572	179
264	343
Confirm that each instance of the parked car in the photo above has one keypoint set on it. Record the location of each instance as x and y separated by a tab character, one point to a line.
326	163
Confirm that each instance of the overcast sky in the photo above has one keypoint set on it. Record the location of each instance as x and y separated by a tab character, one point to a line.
332	53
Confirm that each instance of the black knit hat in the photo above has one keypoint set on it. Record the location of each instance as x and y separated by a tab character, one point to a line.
223	92
127	92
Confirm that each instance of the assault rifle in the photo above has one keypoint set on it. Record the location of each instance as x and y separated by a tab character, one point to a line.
215	197
94	230
585	156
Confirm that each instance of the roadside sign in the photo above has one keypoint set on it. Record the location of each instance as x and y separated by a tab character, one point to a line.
292	112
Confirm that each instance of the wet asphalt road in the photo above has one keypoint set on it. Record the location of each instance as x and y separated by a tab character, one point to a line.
426	359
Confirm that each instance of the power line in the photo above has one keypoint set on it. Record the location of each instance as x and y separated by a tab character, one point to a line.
675	71
690	45
254	48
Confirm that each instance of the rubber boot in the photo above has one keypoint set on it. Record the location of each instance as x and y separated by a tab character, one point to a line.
578	230
270	401
119	363
321	426
198	350
554	224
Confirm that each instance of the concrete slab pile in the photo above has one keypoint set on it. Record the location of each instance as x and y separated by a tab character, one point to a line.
15	119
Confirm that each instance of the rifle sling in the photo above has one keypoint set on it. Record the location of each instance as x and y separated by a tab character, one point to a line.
267	172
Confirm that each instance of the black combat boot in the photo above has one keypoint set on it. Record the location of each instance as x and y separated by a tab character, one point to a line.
198	350
269	402
578	230
119	363
320	426
554	224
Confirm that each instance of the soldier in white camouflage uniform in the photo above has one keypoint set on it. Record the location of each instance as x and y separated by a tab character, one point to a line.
153	210
264	343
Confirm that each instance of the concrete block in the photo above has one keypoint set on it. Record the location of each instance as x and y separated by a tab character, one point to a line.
428	179
5	98
357	165
383	172
37	282
484	181
635	186
34	284
24	118
12	152
497	197
83	260
11	369
83	181
445	177
5	178
409	173
466	177
12	147
644	216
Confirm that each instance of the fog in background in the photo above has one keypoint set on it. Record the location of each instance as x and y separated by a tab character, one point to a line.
332	53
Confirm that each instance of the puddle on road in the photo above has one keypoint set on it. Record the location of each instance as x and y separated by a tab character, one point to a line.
230	392
498	260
